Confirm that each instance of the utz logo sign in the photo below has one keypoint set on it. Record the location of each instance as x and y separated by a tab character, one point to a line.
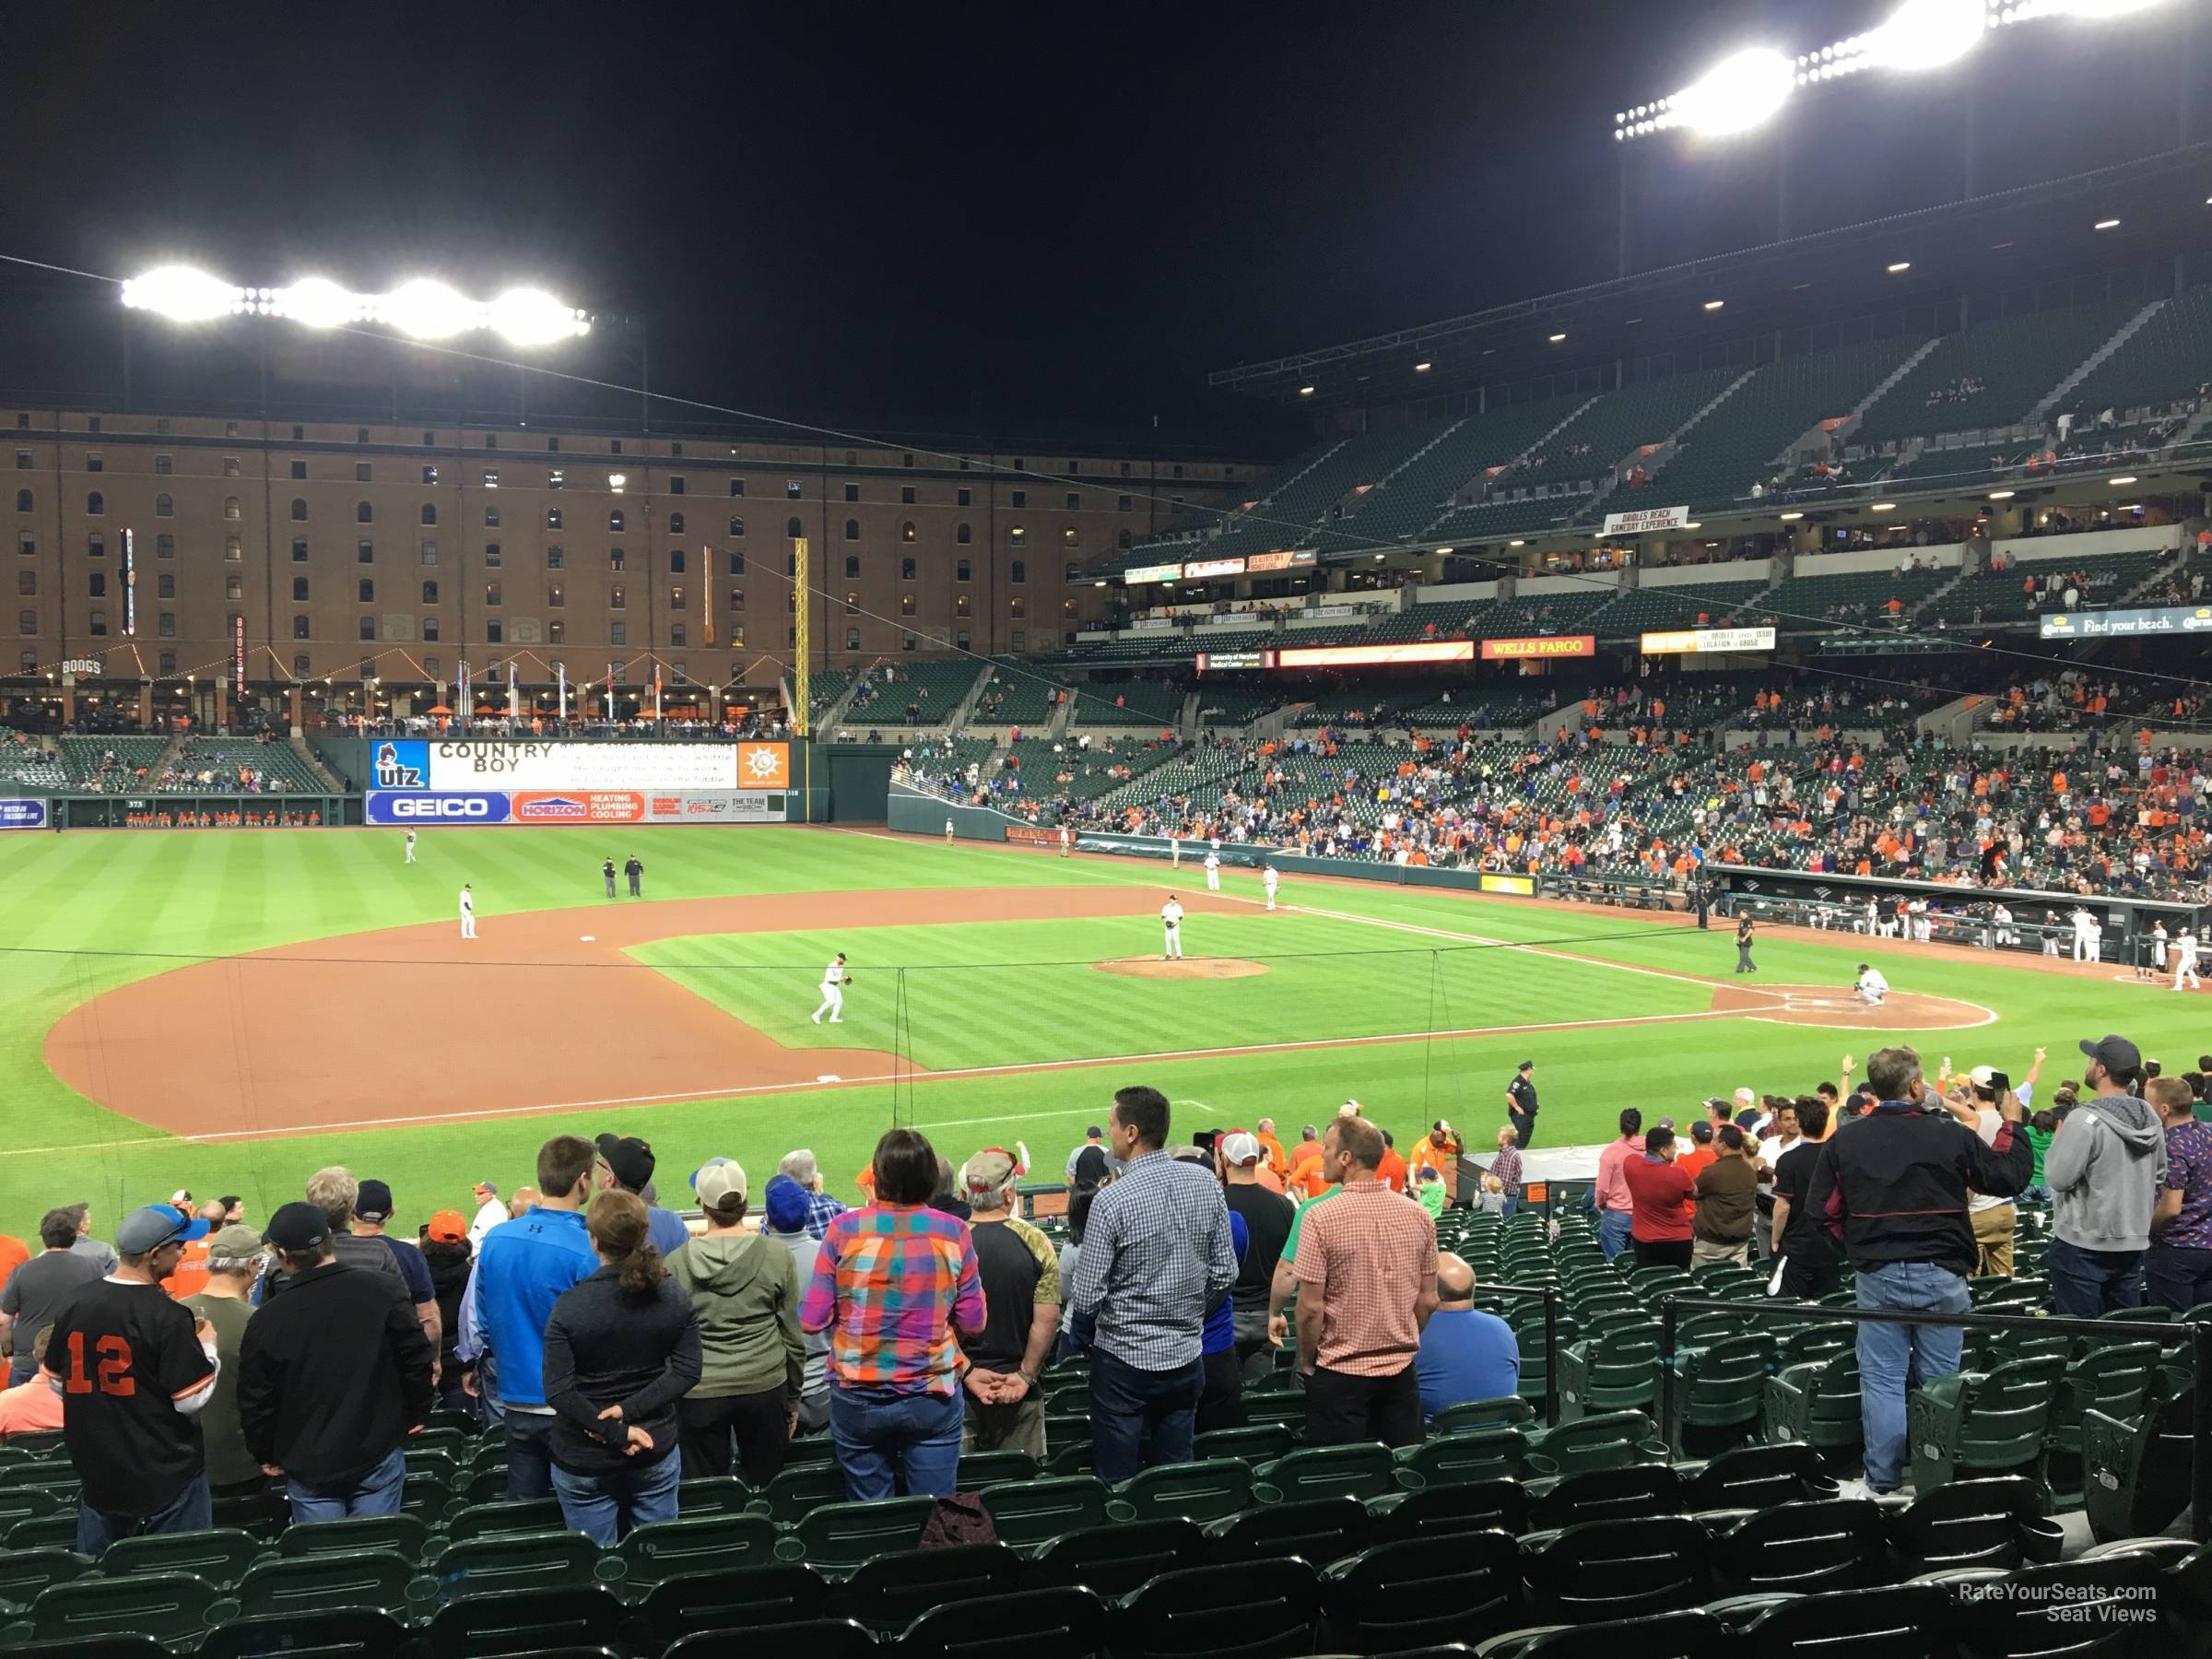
419	806
403	765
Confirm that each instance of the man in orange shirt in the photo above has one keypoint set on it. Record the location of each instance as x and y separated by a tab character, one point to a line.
1277	1159
1305	1180
1391	1169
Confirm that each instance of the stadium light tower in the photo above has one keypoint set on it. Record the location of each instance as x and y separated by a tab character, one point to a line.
423	309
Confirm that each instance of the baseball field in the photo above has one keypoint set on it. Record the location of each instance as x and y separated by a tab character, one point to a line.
227	1011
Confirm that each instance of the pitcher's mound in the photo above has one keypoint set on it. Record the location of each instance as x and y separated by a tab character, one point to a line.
1840	1007
1207	968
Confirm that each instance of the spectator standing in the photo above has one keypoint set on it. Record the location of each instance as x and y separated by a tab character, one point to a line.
1727	1194
225	1303
41	1287
1893	1193
371	1212
332	1377
333	1191
1506	1167
744	1287
1521	1103
135	1371
1615	1207
1366	1271
1093	1138
1702	1150
14	1253
445	1251
1267	1217
626	1163
1003	1405
1809	1268
1278	1161
491	1209
1306	1180
1155	1253
1465	1354
891	1281
30	1407
821	1209
527	1265
2104	1168
1391	1171
622	1347
1660	1196
90	1248
784	1219
2177	1269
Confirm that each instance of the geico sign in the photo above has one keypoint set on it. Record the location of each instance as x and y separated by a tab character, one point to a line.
441	806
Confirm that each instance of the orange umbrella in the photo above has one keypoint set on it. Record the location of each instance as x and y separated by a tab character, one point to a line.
440	709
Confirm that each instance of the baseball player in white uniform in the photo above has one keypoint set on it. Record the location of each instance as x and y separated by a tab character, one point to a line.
1271	878
410	846
468	912
1171	922
2158	953
1065	841
1872	987
1213	870
834	980
2184	958
948	832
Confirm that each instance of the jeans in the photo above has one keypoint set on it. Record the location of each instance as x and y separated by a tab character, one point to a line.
1140	1417
1613	1231
604	1507
1894	1357
189	1511
881	1434
2176	1278
21	1369
1342	1409
1511	1204
1221	1401
706	1428
377	1493
2089	1284
529	1456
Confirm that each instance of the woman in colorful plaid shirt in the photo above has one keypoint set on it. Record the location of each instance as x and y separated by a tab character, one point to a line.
891	1281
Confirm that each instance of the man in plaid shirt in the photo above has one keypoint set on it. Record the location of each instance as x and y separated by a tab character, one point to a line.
1156	1257
821	1209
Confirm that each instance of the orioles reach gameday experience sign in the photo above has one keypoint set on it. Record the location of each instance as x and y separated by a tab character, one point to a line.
1648	518
1553	645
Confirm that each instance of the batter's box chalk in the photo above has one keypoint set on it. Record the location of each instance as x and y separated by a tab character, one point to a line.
828	1078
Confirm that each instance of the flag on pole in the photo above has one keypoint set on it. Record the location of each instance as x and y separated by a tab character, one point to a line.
561	673
610	690
656	691
461	706
515	695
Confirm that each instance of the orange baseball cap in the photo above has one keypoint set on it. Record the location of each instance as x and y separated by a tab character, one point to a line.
447	1226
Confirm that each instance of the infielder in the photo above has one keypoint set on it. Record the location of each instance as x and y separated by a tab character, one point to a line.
1065	841
468	912
2184	958
834	980
1271	878
1872	987
1171	922
1213	870
948	832
410	846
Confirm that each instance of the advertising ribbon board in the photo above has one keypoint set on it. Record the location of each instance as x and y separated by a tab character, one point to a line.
1683	641
1287	558
1166	572
1350	656
1552	645
1213	567
1647	518
2116	624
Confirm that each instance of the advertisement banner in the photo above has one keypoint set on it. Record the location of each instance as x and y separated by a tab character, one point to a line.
1032	835
1521	885
1213	567
22	815
1235	659
1350	656
2114	623
1166	572
1675	641
419	807
764	765
238	654
1551	645
576	806
461	764
1648	518
1286	559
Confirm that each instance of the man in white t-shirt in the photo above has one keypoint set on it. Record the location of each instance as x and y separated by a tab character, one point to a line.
1171	922
1271	878
834	980
1872	987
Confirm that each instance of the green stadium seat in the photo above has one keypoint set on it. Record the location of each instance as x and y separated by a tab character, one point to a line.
1362	1470
888	1592
2103	1595
1818	1404
1997	1521
18	1504
778	1593
1422	1592
53	1530
837	1538
662	1549
218	1555
1029	1514
357	1632
1612	1372
1842	1544
981	1469
1686	1635
172	1607
1901	1621
519	1621
282	1585
1475	1455
2116	1379
1758	1477
514	1561
1256	1608
1075	1457
2136	1470
1115	1558
1314	1529
1717	1393
1611	1441
1067	1622
25	1572
1443	1511
1196	1492
796	1490
1475	1414
495	1520
1981	1423
1615	1570
1608	1495
1254	1445
815	1638
713	1495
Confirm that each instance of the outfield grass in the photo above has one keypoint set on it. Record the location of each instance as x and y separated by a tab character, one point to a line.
82	913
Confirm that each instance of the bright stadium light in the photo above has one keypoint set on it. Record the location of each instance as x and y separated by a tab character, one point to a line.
1736	94
316	302
2096	11
2124	478
427	310
185	295
1928	35
526	316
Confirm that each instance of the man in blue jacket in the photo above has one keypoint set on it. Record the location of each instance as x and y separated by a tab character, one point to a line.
520	1273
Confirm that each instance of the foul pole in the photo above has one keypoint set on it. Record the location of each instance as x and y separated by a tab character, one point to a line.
802	585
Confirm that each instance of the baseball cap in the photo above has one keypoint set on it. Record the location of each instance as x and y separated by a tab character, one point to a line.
374	1202
629	1158
1983	1076
988	1173
1242	1148
785	1202
447	1226
1701	1130
485	1189
296	1227
719	1184
2115	1053
234	1244
1349	1109
1665	1123
152	1225
1440	1127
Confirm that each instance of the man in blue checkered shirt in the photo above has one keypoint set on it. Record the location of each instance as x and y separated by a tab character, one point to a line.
821	1209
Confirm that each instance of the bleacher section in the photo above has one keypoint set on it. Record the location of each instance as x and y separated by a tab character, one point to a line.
1718	604
2002	596
1235	703
1397	510
934	690
1542	612
1016	694
1289	518
24	763
1141	702
109	765
1802	604
221	765
2162	362
2015	360
824	686
1199	776
1737	444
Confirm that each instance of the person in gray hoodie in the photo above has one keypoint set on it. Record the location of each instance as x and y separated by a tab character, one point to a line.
786	1215
745	1288
2104	1167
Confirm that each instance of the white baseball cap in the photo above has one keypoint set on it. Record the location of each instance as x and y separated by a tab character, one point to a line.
1241	1148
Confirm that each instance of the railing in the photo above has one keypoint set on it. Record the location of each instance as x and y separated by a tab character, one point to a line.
1551	1336
2198	1334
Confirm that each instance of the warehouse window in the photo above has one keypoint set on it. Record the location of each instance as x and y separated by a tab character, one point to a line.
96	503
165	506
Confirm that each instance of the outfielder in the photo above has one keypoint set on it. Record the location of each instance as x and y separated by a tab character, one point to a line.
468	912
1065	841
410	846
948	832
1271	878
1171	922
1213	870
834	980
2184	958
1872	987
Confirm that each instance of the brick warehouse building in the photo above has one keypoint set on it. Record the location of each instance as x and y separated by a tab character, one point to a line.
395	553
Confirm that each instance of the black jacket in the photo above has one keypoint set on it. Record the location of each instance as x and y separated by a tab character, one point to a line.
450	1266
331	1376
607	1346
1894	1189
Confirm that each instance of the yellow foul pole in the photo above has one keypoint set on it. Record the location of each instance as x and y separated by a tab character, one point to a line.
802	718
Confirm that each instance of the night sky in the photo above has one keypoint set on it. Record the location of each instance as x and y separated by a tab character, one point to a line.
981	216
